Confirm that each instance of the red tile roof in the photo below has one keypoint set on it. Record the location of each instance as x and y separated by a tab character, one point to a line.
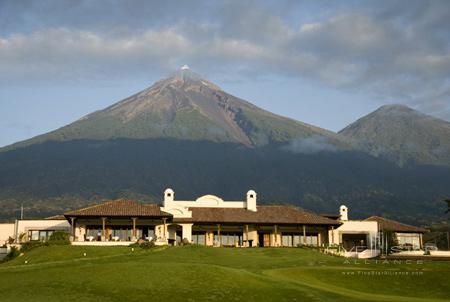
276	214
120	208
273	214
395	226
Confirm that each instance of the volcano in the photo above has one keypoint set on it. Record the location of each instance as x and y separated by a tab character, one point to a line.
186	106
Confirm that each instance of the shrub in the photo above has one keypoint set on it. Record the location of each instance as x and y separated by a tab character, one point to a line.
59	238
10	240
390	241
143	244
185	241
147	244
27	246
13	253
22	237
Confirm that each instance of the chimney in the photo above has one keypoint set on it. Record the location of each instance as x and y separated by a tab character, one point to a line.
343	213
251	200
169	196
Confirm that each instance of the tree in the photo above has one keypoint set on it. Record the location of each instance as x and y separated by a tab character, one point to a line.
448	204
390	241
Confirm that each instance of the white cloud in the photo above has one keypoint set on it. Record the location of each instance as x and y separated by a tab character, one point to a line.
401	54
310	145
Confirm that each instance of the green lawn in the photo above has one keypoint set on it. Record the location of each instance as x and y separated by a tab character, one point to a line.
194	273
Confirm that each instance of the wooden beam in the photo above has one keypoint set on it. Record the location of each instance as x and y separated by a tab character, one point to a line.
276	235
304	234
421	240
332	235
219	235
246	234
164	228
72	225
104	228
134	226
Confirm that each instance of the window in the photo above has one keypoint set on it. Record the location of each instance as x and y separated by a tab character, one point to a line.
286	240
198	238
311	240
228	239
296	239
93	232
36	235
409	240
123	234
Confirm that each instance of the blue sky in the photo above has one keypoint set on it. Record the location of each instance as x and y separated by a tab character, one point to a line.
326	63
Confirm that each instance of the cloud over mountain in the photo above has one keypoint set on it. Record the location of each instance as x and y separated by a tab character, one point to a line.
396	51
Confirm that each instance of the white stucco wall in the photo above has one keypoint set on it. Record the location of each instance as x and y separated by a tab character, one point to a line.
353	227
23	226
186	231
252	235
80	232
179	208
6	231
161	231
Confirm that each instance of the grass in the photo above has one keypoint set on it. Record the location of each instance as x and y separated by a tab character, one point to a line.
194	273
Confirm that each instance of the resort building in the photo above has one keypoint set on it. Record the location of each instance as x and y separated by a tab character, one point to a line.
366	238
354	234
208	220
6	231
405	235
212	221
33	229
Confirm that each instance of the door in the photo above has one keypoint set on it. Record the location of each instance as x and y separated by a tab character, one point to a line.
351	242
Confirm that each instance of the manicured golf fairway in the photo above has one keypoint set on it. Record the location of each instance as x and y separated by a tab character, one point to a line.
194	273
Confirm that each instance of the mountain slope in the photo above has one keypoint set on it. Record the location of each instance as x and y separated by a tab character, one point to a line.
186	133
53	177
403	135
185	106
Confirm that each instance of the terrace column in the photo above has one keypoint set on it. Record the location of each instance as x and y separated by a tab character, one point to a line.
164	229
218	235
134	229
187	231
332	235
246	236
276	236
72	227
304	234
103	228
421	240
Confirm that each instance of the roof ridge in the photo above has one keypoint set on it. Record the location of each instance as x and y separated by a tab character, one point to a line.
399	222
395	221
99	204
120	207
